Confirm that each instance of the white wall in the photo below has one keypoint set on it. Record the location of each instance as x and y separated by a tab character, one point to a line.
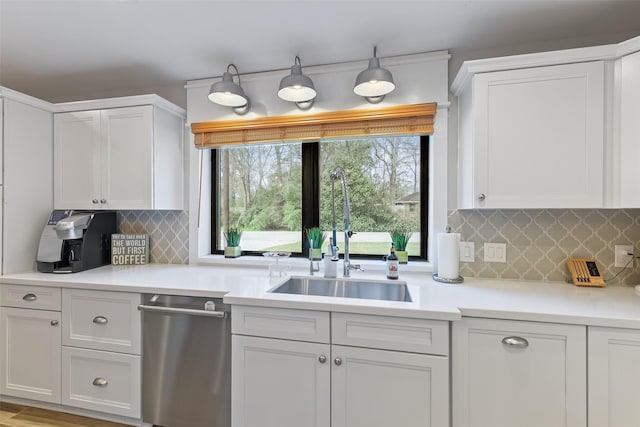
419	78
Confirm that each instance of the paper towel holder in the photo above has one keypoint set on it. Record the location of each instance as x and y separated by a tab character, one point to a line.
437	278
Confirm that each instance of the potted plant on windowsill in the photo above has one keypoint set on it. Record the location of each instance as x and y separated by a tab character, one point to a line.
400	241
232	237
316	238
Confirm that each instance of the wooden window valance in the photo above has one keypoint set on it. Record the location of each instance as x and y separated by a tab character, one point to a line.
416	119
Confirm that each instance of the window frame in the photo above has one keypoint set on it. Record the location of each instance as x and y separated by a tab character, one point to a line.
311	199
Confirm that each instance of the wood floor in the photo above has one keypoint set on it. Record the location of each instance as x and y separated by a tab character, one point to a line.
12	415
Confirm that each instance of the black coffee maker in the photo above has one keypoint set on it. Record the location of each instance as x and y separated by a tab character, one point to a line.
74	241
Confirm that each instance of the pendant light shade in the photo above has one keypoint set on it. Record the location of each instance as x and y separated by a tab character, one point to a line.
297	87
374	82
230	94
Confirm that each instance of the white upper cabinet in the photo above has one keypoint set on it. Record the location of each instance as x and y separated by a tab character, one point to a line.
118	158
629	85
532	138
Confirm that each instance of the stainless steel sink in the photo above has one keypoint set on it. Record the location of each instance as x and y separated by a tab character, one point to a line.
345	288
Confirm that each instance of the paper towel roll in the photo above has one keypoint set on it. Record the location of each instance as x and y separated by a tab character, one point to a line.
448	255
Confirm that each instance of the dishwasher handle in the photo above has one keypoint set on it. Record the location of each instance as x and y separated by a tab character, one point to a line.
188	311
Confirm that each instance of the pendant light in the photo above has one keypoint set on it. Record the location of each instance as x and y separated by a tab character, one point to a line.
297	87
230	94
374	82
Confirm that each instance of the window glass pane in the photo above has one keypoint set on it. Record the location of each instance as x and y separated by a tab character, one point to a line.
383	182
260	192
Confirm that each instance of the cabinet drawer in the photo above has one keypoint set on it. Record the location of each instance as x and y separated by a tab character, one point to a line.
101	381
101	320
391	333
299	325
37	297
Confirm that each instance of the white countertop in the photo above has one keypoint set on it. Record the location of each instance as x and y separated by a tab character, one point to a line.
558	302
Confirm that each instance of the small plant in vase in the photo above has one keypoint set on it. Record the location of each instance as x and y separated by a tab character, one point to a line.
400	241
316	238
232	237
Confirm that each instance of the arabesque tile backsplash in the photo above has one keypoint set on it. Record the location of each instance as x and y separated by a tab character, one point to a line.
539	242
168	233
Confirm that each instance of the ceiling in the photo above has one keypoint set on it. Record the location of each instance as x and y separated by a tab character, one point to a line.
62	50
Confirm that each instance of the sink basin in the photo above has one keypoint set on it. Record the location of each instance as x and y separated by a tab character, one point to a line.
345	288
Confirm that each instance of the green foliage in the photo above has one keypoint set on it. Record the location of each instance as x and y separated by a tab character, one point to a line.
400	239
232	237
264	186
315	237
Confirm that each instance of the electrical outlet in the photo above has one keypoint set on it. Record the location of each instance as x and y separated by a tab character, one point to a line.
621	257
495	252
467	252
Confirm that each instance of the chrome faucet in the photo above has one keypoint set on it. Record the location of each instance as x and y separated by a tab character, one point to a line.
338	172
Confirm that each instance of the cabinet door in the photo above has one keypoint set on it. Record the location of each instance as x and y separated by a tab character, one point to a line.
127	158
614	377
539	137
76	171
509	373
30	354
279	383
380	388
630	131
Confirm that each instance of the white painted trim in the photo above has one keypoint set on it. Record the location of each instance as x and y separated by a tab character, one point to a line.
390	61
26	99
558	57
124	101
628	46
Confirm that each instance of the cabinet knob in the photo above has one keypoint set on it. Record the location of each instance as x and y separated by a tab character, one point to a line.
100	320
30	297
103	201
54	323
94	201
482	196
100	382
322	358
517	342
337	361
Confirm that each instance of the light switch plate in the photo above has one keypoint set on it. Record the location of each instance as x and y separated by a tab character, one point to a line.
467	252
495	252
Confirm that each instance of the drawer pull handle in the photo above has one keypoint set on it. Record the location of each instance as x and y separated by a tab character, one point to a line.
322	358
518	342
337	361
100	382
54	323
29	297
100	320
482	197
103	201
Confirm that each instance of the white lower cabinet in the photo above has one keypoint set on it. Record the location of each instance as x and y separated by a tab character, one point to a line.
280	382
513	373
614	377
379	388
30	346
101	381
85	354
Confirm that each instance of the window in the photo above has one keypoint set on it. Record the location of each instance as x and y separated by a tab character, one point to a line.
273	192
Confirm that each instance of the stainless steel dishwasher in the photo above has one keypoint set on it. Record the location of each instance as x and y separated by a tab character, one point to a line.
186	361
